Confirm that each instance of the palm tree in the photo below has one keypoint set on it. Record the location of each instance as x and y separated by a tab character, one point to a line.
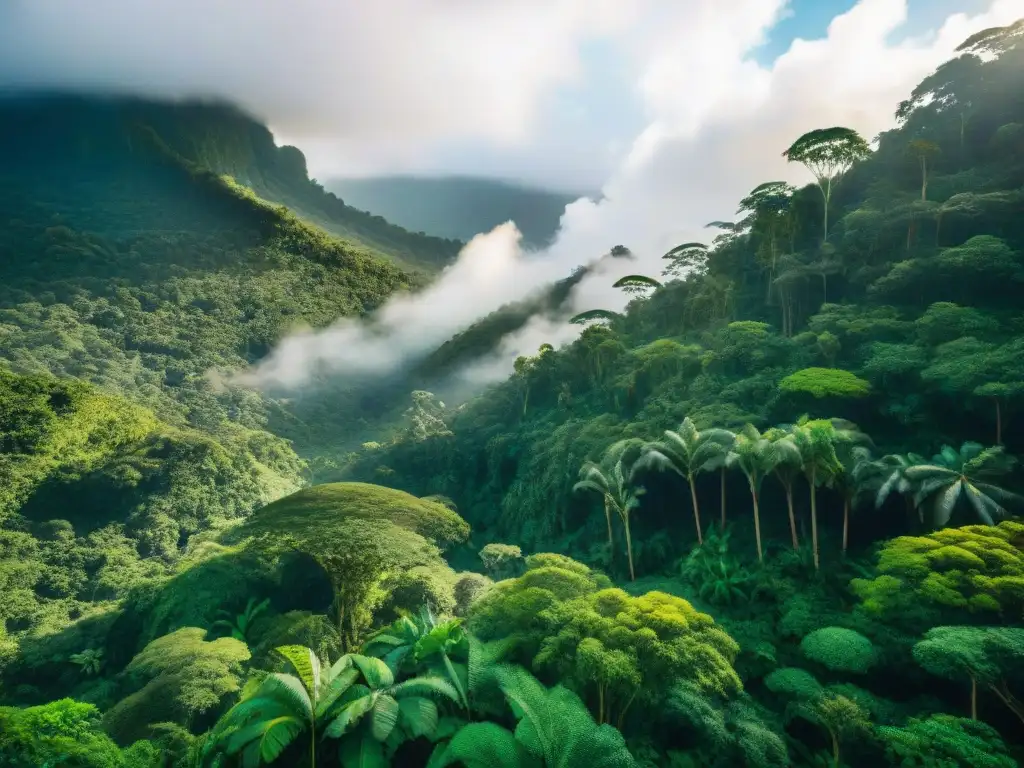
688	452
952	474
720	462
395	642
90	661
238	626
555	729
276	710
788	466
613	479
815	439
754	455
887	475
853	450
408	705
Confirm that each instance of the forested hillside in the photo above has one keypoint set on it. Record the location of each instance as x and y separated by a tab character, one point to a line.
117	166
770	515
458	207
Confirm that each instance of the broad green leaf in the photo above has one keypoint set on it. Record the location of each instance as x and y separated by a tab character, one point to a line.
349	717
485	745
306	664
384	717
418	715
376	673
364	752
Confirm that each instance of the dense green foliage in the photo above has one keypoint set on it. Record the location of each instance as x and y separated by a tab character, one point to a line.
172	597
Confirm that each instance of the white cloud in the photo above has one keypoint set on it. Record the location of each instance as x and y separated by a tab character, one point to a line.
685	171
491	271
404	72
366	78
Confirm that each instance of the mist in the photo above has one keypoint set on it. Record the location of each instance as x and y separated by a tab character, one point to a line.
362	80
688	167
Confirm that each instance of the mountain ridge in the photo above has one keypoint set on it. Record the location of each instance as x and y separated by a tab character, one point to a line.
459	206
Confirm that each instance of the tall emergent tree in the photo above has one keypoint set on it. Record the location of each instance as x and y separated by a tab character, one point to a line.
685	259
636	285
828	153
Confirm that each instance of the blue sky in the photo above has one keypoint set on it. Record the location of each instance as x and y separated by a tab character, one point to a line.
579	123
809	19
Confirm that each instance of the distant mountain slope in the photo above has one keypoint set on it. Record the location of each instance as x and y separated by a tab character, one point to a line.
93	161
131	258
456	206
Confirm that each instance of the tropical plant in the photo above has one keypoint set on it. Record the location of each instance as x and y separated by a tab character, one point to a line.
239	626
443	647
887	475
374	711
594	314
636	285
815	439
687	452
327	702
788	466
952	474
89	661
613	478
828	153
985	655
755	457
839	715
554	729
685	259
853	451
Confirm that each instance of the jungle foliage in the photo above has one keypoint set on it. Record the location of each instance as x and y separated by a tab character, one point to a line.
767	516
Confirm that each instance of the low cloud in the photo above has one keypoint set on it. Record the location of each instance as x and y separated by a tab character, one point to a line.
404	73
691	166
711	138
492	270
357	83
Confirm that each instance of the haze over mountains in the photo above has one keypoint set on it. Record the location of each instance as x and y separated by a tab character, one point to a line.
458	207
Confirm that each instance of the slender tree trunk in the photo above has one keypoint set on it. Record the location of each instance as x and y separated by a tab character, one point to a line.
999	422
312	744
600	705
339	612
835	748
963	127
722	526
1008	699
824	288
792	517
757	523
622	714
846	522
814	519
974	698
629	546
924	178
696	510
608	520
826	194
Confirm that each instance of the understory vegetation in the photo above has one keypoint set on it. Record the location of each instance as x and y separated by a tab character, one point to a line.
769	515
